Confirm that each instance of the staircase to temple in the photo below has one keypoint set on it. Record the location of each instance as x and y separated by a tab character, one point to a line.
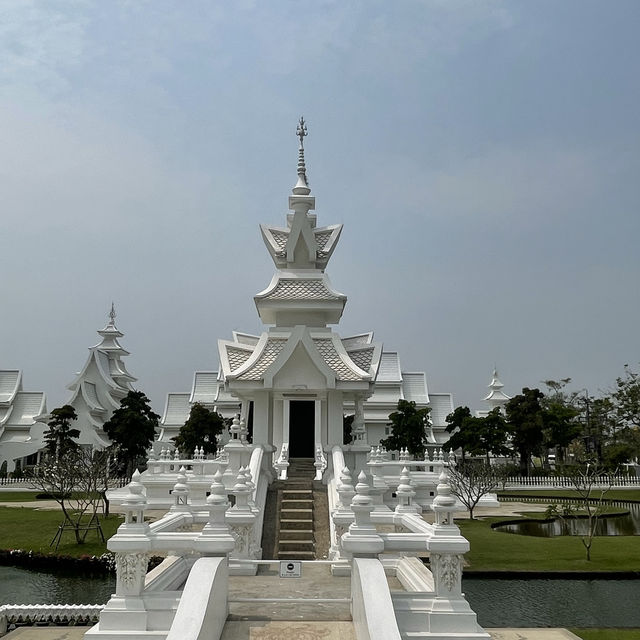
295	534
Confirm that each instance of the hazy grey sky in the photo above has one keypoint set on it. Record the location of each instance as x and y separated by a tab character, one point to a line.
483	156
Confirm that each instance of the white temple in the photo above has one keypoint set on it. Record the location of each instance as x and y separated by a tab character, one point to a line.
96	392
19	411
293	383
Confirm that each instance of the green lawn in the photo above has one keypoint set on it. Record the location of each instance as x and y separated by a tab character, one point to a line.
32	530
607	634
493	550
18	496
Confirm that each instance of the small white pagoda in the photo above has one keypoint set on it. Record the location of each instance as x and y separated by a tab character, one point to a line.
496	398
293	383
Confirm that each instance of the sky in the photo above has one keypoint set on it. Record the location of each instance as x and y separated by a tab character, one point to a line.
483	156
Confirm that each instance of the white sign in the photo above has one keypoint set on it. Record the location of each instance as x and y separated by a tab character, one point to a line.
290	569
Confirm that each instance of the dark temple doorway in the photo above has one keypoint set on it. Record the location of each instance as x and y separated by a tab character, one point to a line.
301	429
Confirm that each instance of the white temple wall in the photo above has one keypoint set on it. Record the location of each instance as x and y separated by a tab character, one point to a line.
335	403
262	418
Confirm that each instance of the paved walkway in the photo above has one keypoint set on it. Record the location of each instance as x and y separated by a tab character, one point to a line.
266	630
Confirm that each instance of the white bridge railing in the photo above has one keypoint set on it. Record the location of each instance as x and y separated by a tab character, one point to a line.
69	614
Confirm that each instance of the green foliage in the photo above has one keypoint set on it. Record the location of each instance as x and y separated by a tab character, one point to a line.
132	428
477	436
200	430
408	425
59	437
525	422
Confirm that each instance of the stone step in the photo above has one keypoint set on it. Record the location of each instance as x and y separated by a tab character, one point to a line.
296	545
289	523
295	534
296	555
296	514
297	504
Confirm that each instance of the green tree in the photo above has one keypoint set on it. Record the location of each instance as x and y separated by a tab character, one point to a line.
59	437
470	481
525	423
132	428
562	413
477	435
200	430
408	429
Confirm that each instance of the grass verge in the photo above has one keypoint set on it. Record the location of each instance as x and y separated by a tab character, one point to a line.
32	530
493	550
607	634
18	496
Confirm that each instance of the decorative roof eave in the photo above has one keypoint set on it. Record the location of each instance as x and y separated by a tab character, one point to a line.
7	398
225	365
93	405
324	254
344	357
5	418
497	395
302	337
284	277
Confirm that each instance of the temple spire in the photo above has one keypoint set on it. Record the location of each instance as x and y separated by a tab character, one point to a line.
302	186
112	314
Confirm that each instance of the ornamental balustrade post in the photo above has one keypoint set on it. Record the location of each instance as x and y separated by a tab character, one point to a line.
180	493
406	494
379	486
237	453
450	612
215	539
241	518
362	539
131	545
342	517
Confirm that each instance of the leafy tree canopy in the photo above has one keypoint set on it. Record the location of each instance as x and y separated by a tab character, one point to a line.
408	429
525	423
200	430
477	436
132	427
59	437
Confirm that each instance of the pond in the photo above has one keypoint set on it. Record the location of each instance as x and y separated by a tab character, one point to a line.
23	586
614	525
554	602
498	602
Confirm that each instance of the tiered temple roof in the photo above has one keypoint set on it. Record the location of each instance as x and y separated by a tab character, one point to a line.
18	413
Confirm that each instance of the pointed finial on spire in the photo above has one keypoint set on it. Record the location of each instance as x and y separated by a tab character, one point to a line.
302	186
112	314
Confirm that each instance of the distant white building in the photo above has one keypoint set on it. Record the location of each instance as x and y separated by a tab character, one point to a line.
19	411
293	383
496	398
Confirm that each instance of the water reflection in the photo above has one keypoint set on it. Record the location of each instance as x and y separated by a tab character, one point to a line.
554	603
22	586
624	525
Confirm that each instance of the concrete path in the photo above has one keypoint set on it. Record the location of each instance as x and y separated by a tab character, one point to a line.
285	630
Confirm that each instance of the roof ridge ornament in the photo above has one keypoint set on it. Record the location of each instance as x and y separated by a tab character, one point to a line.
302	186
112	314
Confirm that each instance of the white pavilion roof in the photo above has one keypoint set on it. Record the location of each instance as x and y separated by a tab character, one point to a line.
26	406
414	387
176	410
205	387
441	406
389	370
10	383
